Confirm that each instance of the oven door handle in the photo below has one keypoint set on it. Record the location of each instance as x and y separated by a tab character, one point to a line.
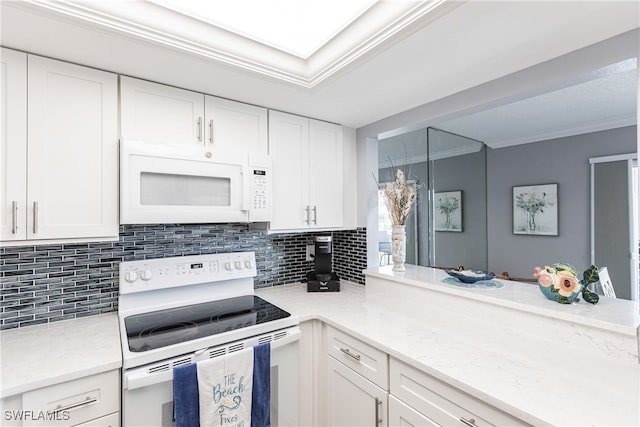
141	377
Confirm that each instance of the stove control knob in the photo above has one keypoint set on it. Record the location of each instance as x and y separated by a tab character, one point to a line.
146	274
131	276
228	266
238	265
247	263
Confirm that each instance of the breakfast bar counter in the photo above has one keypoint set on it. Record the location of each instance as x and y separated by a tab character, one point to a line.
539	361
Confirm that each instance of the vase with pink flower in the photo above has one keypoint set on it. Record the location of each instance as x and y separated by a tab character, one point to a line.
561	283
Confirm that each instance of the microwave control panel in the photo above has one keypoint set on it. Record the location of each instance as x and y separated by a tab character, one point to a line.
260	194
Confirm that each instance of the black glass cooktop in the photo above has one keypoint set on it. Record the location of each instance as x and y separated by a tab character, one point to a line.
157	329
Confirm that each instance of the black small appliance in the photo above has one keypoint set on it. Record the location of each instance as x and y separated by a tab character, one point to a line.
323	279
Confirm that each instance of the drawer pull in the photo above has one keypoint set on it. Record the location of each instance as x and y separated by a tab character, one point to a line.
351	355
88	400
468	422
378	419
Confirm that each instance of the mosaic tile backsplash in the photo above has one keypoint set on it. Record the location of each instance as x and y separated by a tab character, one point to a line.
46	283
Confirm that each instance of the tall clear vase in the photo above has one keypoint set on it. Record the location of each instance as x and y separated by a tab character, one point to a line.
398	247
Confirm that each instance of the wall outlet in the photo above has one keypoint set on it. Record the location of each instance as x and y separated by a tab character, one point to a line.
311	251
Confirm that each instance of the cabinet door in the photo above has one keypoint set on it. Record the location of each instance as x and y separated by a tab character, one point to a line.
325	186
353	400
13	151
288	144
158	113
405	416
73	153
234	126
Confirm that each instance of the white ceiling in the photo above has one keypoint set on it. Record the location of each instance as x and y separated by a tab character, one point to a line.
606	102
397	56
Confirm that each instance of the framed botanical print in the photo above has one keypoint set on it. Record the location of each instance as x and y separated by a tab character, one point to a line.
535	209
448	211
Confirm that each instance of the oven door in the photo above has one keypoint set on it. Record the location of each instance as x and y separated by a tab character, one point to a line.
148	394
168	184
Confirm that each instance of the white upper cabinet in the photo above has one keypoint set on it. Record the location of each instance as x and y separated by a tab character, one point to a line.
289	146
232	125
59	147
307	173
72	151
13	152
325	174
159	113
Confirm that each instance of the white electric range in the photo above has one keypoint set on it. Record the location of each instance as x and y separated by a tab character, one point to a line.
179	310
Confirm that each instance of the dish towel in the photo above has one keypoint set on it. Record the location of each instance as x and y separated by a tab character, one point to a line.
260	409
225	386
186	412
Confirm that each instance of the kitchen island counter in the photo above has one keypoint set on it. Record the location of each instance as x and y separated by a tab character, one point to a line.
543	377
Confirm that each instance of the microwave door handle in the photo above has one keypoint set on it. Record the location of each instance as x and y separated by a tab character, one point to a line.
246	188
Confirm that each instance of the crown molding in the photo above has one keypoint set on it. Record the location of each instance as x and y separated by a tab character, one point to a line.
578	129
378	28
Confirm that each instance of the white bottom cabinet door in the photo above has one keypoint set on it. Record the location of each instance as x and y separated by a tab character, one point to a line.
353	400
404	416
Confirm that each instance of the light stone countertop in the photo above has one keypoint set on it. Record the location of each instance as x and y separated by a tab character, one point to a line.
524	373
42	355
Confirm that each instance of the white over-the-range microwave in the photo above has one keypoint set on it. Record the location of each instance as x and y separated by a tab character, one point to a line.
179	183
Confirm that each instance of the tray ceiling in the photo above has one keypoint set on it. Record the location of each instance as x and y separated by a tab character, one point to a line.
382	58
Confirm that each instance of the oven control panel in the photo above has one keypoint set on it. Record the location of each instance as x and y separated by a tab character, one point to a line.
164	273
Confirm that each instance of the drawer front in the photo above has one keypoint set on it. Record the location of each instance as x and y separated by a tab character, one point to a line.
405	416
366	360
111	420
440	402
74	402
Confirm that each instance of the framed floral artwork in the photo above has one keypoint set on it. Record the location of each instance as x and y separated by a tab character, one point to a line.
448	211
535	209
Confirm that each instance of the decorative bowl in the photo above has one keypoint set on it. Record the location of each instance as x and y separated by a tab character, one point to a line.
470	276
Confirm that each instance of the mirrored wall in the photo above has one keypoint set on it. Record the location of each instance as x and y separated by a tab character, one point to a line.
448	224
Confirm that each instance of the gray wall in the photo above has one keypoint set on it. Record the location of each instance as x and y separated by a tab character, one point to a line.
468	248
564	161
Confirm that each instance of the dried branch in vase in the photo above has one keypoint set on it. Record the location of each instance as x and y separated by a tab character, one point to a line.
399	197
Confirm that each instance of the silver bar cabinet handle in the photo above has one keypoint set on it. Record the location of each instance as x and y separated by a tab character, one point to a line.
14	215
468	422
211	131
199	128
351	355
378	419
307	211
35	217
315	215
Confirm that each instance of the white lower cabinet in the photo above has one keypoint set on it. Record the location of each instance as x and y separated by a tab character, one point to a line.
357	382
437	403
92	401
352	400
